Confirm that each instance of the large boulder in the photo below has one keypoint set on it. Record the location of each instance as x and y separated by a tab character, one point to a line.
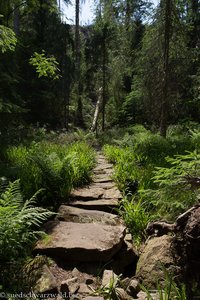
157	256
81	242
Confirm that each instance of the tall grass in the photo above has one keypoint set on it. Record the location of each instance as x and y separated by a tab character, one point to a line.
54	167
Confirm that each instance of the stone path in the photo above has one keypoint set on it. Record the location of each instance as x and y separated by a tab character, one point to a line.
87	237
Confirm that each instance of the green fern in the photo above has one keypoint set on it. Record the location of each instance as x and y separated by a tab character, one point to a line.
18	223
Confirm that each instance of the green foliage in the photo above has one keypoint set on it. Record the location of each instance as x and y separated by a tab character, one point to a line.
45	66
18	221
51	166
135	216
149	166
177	186
129	167
8	39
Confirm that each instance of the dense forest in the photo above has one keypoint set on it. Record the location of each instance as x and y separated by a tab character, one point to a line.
140	62
127	85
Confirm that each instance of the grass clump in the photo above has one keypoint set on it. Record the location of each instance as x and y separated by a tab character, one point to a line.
135	216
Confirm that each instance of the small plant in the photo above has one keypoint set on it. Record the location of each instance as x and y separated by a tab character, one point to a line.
135	216
110	292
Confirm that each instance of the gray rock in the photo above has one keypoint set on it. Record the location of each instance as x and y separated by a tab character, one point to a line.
46	283
104	185
87	193
108	277
158	252
101	178
107	205
133	287
84	289
142	296
122	294
124	283
78	215
69	286
112	193
81	242
103	166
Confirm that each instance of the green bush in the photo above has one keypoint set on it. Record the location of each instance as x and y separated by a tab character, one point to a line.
56	168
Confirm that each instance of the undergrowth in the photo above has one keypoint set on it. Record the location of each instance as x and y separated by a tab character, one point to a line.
53	167
158	177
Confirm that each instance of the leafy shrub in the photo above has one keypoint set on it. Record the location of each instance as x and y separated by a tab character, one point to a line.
19	220
56	168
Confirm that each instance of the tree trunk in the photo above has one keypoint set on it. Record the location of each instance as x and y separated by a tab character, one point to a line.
104	81
97	111
79	113
195	34
16	21
127	15
165	87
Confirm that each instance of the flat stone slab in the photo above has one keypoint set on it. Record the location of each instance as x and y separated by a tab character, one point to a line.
81	242
88	193
106	205
103	166
73	214
112	193
104	185
94	193
101	178
105	172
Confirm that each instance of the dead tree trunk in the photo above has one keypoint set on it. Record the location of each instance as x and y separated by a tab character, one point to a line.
97	111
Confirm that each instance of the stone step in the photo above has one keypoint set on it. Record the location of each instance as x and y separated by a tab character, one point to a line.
101	178
103	185
103	166
77	215
87	193
107	205
103	172
81	242
91	193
